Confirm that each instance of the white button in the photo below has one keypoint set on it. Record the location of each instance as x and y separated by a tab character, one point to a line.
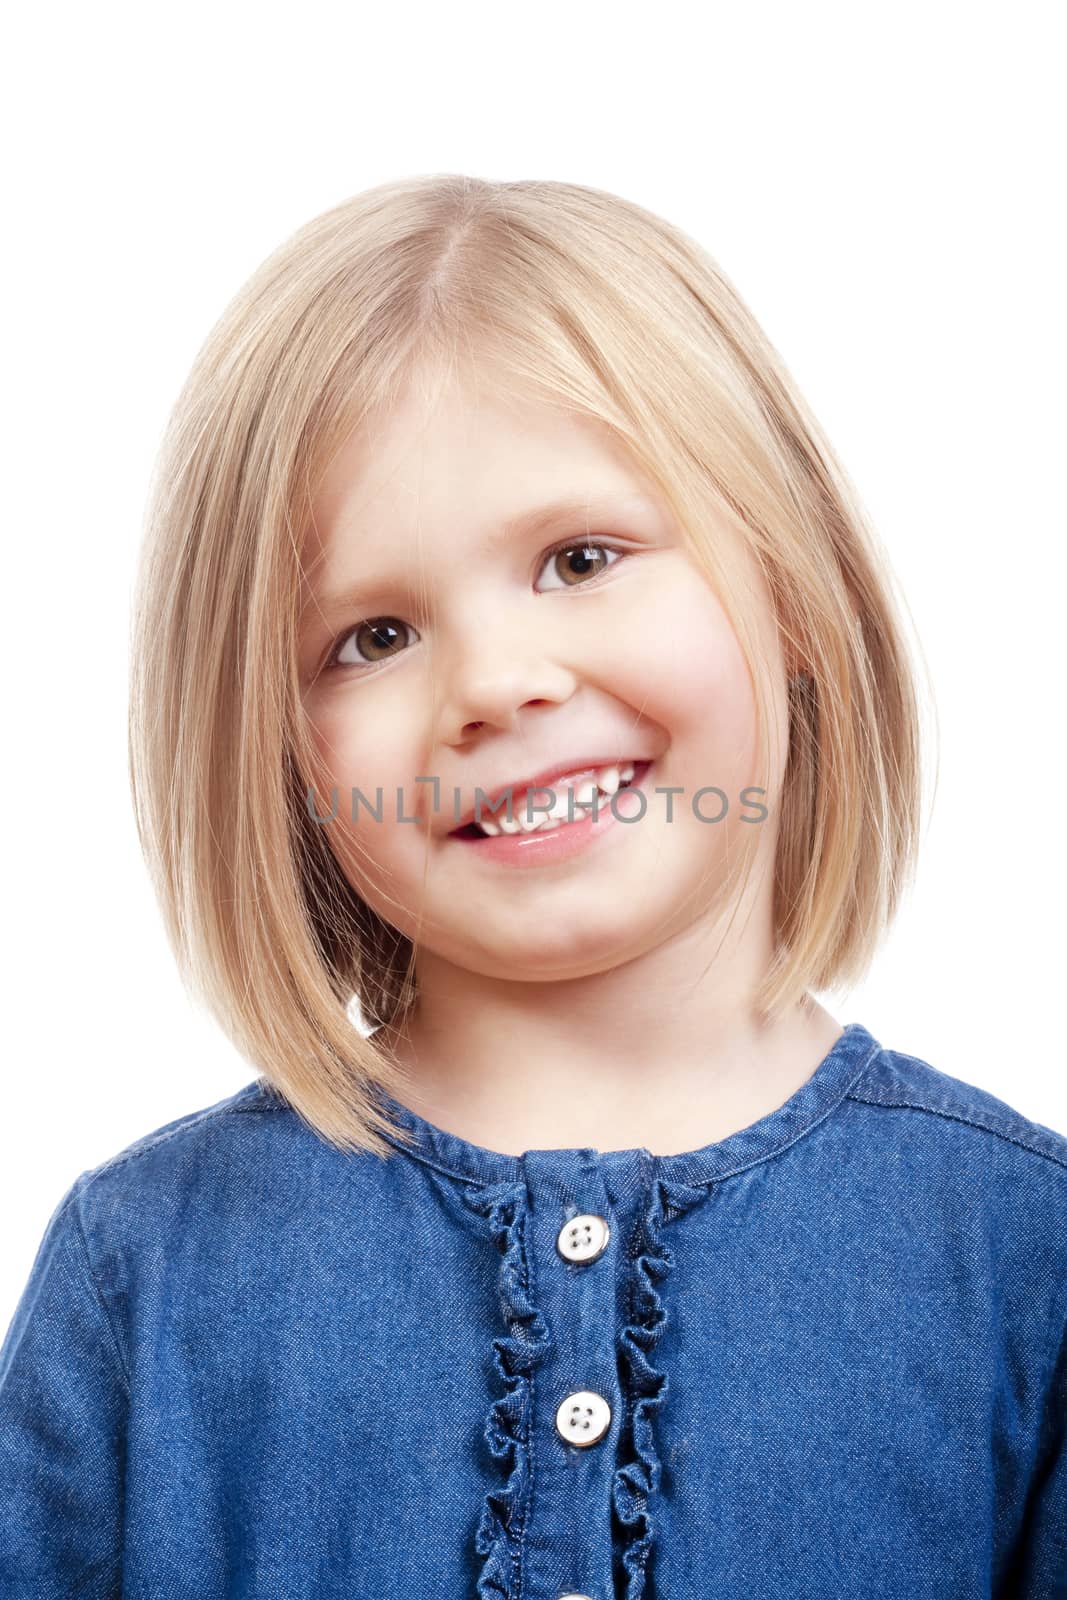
583	1418
583	1238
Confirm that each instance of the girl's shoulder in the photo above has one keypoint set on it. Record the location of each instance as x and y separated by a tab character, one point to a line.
895	1079
204	1123
210	1133
949	1158
199	1169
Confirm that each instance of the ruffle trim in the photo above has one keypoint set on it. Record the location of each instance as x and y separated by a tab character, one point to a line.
635	1481
504	1206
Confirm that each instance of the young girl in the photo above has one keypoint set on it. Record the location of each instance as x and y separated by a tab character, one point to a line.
522	730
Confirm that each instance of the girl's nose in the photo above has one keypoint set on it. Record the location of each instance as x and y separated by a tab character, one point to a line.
491	689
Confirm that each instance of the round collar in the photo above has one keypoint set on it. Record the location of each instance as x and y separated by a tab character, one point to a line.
847	1059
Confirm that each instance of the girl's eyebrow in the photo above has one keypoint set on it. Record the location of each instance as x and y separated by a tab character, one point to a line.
591	509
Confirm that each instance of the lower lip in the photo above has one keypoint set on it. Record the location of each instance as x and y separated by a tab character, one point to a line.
541	848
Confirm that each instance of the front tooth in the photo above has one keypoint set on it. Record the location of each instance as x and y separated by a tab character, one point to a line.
608	779
561	810
627	772
585	791
514	826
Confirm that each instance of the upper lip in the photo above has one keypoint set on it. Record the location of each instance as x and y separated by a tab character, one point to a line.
541	779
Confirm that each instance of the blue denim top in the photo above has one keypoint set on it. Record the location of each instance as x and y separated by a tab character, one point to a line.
823	1357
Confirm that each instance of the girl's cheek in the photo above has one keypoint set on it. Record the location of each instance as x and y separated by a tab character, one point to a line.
358	751
699	669
347	731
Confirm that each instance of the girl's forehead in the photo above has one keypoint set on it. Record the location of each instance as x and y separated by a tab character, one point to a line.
483	458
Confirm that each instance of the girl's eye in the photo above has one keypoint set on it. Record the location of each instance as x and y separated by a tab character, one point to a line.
574	564
373	641
381	638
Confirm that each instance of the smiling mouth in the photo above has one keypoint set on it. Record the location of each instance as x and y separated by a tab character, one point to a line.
474	830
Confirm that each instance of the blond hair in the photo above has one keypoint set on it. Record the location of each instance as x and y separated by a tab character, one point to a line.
605	309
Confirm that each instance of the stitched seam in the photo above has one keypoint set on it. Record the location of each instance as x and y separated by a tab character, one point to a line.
101	1302
695	1183
766	1155
452	1172
859	1073
953	1116
124	1157
113	1163
480	1181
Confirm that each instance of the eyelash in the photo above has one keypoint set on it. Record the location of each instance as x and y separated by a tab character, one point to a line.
331	664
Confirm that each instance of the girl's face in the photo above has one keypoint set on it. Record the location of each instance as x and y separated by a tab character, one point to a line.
449	635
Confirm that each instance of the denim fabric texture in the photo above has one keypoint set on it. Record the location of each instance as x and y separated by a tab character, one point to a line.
832	1348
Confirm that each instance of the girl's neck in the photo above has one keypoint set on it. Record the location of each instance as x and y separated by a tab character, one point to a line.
517	1067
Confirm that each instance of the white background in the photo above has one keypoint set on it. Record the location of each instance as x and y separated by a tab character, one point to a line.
883	186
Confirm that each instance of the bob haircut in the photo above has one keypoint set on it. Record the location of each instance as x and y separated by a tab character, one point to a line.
601	307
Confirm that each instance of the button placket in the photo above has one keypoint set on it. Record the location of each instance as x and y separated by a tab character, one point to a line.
584	1416
576	1391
